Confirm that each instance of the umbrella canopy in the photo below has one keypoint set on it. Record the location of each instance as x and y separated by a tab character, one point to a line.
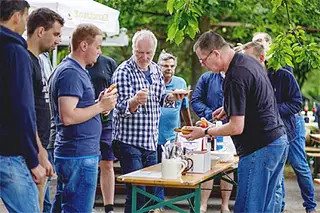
76	12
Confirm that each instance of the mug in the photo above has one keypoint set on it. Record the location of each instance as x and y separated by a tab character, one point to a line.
172	168
189	164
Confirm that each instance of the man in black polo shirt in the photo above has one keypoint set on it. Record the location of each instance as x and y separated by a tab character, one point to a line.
254	122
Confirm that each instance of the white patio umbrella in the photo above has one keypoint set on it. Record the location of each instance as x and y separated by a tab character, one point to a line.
76	12
82	11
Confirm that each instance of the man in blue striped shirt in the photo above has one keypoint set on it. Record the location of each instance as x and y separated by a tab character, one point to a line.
141	93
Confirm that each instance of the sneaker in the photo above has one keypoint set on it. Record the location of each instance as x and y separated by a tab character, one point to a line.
156	211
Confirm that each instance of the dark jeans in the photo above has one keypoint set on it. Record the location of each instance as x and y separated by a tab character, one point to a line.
131	159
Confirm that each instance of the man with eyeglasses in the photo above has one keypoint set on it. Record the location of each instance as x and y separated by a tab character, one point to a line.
206	98
254	122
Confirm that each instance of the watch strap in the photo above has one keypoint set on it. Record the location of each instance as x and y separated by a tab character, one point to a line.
206	131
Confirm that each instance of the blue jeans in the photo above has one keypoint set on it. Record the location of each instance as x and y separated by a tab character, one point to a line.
77	180
47	202
131	159
258	175
298	161
18	192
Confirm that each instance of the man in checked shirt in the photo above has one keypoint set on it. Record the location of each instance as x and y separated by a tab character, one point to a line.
141	93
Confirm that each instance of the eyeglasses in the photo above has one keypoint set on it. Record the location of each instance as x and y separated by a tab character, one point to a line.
168	66
202	61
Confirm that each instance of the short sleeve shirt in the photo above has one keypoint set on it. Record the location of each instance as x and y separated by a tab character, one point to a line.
248	93
170	112
41	99
78	140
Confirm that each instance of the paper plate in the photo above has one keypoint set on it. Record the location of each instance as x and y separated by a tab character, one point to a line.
179	91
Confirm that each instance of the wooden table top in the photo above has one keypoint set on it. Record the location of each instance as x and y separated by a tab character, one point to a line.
311	125
190	180
315	137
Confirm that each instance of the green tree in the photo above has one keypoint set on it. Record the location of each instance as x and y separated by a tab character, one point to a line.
176	23
278	17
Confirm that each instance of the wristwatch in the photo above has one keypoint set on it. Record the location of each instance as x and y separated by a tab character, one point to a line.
206	131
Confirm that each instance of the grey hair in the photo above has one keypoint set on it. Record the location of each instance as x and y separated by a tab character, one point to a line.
266	35
164	56
139	35
257	47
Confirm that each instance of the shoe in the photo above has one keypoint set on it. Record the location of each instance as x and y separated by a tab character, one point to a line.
156	211
225	211
111	211
201	211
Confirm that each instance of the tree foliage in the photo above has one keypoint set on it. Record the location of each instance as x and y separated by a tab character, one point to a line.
176	23
291	47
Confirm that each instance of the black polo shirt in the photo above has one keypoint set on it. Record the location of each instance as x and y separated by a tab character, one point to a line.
248	92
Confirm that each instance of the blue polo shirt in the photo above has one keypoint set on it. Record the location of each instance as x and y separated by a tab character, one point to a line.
78	140
170	113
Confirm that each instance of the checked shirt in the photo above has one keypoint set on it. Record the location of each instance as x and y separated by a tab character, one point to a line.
138	128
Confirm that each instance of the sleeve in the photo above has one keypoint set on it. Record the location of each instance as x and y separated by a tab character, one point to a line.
69	84
236	99
293	102
22	102
198	100
125	91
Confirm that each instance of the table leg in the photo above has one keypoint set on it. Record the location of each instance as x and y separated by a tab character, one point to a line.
134	198
197	195
194	201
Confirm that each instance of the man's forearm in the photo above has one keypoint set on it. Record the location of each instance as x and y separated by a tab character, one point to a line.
186	116
233	127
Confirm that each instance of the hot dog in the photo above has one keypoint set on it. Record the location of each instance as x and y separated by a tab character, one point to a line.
112	87
183	130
